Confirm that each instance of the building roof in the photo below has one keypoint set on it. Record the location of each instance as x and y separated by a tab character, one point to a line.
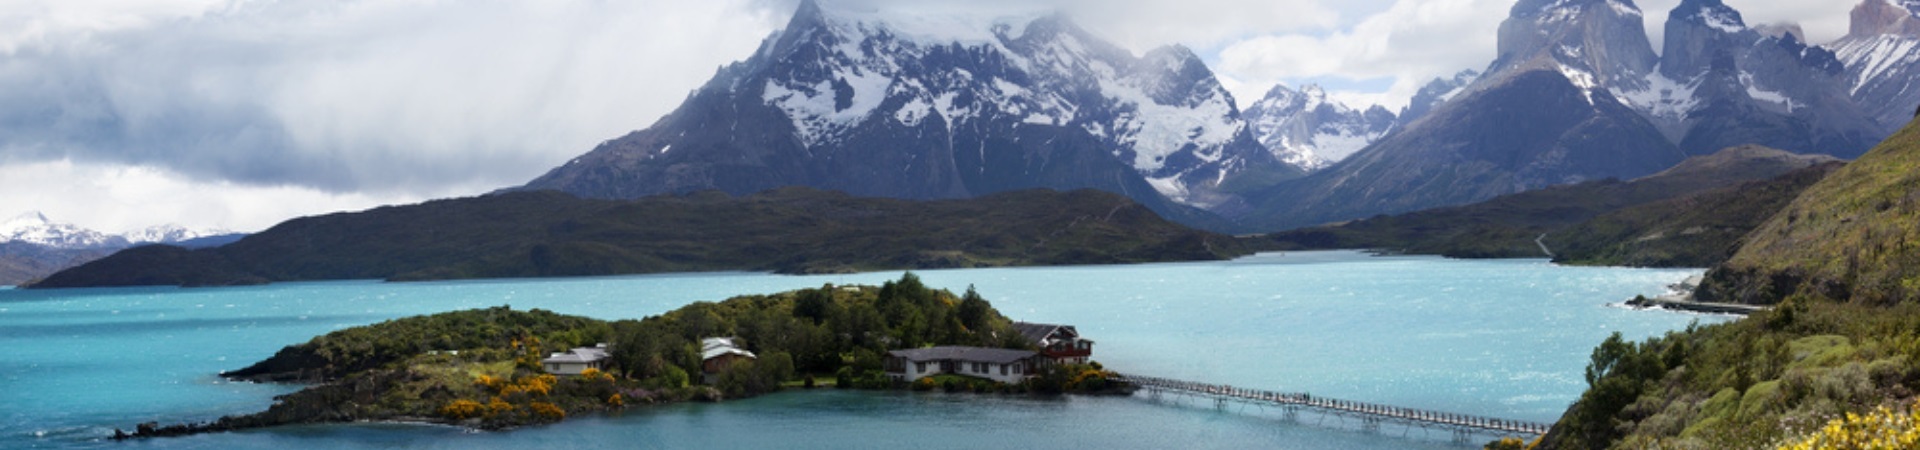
1038	333
717	342
715	347
583	355
968	354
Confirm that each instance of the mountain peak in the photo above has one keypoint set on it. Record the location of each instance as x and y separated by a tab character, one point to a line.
27	218
1534	8
1782	30
1714	14
1876	17
1606	39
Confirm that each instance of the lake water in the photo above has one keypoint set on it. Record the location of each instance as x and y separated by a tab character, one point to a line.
1502	338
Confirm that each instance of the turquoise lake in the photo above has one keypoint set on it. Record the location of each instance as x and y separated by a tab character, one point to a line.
1502	338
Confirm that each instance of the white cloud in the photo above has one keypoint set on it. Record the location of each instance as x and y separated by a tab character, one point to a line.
1411	43
1825	21
363	95
1414	41
118	198
343	103
1145	24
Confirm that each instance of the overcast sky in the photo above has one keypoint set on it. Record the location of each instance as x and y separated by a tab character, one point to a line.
238	114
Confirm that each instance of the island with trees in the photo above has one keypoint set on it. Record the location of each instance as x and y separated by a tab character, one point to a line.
483	368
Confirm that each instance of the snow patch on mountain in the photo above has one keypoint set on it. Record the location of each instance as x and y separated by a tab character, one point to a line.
1155	131
1663	98
1877	58
1581	79
35	228
170	233
1762	94
1723	19
1623	8
1307	129
1147	109
822	110
930	22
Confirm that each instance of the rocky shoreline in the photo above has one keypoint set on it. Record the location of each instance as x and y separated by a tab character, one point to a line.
1681	299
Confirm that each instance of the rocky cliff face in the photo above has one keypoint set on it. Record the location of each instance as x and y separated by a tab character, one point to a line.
1717	84
1722	84
1436	92
1603	38
1877	17
1543	114
886	104
1882	56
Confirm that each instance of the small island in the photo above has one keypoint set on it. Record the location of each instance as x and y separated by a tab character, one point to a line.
498	368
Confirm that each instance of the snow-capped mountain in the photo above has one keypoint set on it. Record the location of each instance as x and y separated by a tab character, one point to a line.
1882	55
34	228
32	246
1541	115
1306	129
1577	93
897	104
1721	83
170	233
1436	92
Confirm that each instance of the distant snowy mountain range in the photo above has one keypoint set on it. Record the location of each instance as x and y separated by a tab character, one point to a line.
35	228
926	106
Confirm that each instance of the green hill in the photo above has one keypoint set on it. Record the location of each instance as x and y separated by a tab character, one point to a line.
1508	226
1840	266
1697	230
1854	236
794	230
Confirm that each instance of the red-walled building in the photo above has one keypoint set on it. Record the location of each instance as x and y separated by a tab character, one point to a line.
1060	343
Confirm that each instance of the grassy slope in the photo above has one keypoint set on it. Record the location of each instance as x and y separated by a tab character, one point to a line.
795	230
1698	230
1507	226
1840	266
1853	236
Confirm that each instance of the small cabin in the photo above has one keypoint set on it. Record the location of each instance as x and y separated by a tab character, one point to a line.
997	364
1060	343
716	353
576	361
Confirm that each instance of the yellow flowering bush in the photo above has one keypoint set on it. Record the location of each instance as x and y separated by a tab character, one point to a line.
1883	429
547	411
461	409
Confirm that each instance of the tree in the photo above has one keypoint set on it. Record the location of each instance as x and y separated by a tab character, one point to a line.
1606	357
813	304
974	311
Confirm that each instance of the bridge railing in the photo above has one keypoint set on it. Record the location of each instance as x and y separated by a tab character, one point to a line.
1412	415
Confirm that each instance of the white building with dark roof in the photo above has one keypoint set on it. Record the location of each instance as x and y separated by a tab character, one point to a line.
576	361
997	364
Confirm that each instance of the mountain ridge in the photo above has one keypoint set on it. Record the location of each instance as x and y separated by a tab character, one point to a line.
788	230
847	100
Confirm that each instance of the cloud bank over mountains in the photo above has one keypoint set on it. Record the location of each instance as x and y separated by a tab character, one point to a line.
264	110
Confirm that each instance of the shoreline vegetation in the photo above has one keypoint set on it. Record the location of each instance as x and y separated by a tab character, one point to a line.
482	369
1830	364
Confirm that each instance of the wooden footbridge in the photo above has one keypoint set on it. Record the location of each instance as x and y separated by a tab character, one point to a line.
1369	415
